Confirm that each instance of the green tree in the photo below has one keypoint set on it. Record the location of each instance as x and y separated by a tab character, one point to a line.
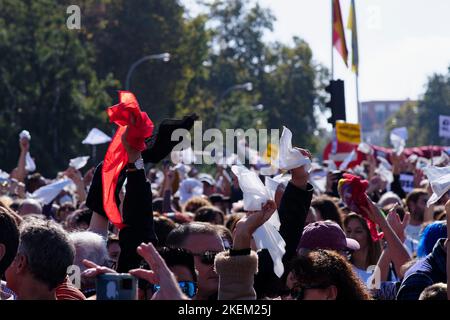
435	102
125	31
47	85
407	116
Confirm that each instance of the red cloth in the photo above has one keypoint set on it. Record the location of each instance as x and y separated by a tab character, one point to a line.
353	192
116	157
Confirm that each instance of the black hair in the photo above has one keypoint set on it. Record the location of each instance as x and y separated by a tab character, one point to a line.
9	237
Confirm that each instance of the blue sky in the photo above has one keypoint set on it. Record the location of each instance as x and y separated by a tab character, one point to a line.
401	42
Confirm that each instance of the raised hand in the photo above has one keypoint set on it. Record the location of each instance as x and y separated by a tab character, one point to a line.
93	269
248	225
396	224
159	274
24	145
299	175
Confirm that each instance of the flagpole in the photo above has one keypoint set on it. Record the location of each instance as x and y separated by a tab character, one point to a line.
358	105
332	53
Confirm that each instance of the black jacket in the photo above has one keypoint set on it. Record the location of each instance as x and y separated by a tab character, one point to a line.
138	218
293	211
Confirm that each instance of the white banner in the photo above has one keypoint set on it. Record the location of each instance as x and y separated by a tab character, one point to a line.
444	126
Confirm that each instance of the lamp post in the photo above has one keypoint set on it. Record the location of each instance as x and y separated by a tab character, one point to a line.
248	86
162	56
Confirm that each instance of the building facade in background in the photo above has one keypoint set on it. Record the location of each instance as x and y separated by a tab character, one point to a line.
374	117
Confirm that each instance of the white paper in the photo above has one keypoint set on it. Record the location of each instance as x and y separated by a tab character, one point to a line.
30	166
96	136
290	158
25	134
384	162
398	139
365	148
78	162
256	195
439	179
444	126
385	173
4	175
351	157
49	192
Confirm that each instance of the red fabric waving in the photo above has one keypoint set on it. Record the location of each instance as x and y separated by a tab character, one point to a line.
116	157
353	192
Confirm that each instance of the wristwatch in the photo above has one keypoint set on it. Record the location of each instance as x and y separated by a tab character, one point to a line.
137	165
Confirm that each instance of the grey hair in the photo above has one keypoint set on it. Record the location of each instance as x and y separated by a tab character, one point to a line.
48	249
90	246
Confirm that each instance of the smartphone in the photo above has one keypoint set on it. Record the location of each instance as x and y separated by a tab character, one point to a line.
116	286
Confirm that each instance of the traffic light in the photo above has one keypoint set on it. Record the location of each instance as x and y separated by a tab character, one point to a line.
337	101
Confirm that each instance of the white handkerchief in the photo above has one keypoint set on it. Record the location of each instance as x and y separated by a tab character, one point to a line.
365	148
49	192
25	134
96	136
385	173
347	160
255	195
439	178
384	162
4	175
78	162
30	166
290	158
398	139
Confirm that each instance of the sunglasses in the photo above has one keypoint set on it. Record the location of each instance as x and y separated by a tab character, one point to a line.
298	292
206	257
189	288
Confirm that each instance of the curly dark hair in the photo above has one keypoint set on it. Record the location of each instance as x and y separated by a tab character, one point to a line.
327	267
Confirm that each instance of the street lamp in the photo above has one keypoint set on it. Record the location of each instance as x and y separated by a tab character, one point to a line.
248	86
162	56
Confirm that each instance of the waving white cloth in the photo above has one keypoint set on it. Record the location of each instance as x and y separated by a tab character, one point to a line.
78	162
255	196
439	178
347	160
398	139
49	192
30	166
290	158
96	136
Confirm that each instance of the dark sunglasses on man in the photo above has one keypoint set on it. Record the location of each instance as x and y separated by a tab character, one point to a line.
206	257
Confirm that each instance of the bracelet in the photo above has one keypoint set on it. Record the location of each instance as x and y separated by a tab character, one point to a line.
240	252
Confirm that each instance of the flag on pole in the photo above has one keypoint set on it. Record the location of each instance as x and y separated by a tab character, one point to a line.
338	32
351	24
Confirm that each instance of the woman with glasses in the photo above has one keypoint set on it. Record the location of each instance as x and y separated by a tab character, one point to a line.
324	275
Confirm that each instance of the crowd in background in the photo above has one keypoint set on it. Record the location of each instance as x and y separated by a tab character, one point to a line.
187	235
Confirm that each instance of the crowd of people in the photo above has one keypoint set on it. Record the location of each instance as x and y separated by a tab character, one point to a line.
186	234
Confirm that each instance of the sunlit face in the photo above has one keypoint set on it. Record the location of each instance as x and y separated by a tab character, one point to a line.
208	280
356	231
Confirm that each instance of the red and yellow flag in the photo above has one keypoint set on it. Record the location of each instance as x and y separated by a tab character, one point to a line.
352	26
338	32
